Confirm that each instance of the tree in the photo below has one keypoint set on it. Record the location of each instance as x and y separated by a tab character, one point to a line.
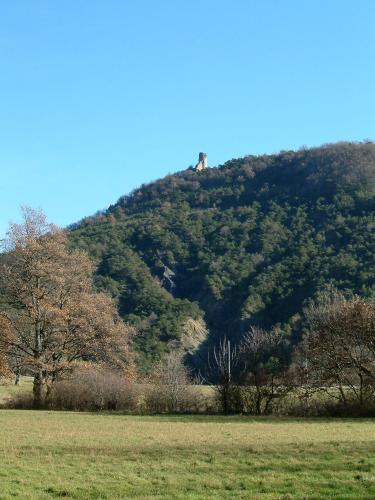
170	386
265	369
56	318
340	347
5	371
223	361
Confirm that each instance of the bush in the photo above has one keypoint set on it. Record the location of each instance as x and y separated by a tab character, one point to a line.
158	398
21	401
93	390
87	389
170	389
307	402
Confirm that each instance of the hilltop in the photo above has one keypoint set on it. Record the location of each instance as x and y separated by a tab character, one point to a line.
199	255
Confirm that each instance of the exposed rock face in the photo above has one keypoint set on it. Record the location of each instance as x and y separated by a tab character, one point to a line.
167	279
165	276
202	162
195	333
192	343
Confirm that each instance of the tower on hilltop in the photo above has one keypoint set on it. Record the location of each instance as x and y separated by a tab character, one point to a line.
202	162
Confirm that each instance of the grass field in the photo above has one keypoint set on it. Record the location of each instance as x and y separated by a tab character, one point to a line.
83	455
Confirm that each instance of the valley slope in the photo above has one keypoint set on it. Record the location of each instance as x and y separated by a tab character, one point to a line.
199	255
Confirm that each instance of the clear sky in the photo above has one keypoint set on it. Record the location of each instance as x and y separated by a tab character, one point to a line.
97	97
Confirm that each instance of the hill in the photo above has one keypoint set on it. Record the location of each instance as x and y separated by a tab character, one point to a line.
198	255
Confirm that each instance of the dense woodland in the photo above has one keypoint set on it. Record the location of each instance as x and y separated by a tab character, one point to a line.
198	256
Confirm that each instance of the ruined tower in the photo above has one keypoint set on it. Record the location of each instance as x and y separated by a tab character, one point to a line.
202	162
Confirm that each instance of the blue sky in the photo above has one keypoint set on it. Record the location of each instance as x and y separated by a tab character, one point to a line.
97	97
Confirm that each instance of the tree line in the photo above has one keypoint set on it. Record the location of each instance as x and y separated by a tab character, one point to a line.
331	371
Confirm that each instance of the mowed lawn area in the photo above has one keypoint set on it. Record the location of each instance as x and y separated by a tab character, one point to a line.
84	455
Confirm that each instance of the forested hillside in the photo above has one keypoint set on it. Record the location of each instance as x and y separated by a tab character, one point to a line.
198	255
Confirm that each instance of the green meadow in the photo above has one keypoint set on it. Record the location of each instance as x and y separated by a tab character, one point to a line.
84	455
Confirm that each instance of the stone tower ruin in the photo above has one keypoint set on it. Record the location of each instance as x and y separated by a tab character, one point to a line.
202	162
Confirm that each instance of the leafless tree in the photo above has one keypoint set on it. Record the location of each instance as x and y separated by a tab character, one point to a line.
223	361
170	385
340	347
265	372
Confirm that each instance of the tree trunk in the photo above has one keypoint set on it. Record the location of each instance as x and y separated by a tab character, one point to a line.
38	377
37	390
360	389
343	397
258	401
18	378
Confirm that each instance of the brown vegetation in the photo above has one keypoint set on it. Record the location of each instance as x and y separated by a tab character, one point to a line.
169	387
54	317
339	350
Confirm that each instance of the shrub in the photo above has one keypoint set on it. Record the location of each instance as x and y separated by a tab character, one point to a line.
319	404
21	401
157	399
170	388
90	389
93	390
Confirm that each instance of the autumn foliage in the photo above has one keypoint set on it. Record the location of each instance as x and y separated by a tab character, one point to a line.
55	319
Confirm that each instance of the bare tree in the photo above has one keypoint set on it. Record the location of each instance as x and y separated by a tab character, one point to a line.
56	317
170	385
265	370
340	347
223	362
